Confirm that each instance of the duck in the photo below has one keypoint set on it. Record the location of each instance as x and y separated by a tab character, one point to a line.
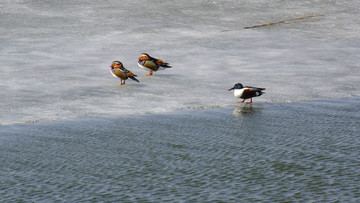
119	71
151	64
246	92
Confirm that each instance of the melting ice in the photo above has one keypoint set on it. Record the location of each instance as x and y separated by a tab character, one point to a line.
55	55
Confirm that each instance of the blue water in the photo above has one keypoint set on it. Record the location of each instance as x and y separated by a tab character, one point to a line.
278	152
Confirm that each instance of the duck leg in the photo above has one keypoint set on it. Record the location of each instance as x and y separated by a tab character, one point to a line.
121	82
241	101
250	101
149	73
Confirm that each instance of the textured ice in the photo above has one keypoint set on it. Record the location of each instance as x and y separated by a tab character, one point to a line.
55	55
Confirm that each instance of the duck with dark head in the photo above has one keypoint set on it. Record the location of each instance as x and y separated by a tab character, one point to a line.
246	92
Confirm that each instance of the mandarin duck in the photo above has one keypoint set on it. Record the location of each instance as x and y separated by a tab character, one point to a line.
151	64
119	71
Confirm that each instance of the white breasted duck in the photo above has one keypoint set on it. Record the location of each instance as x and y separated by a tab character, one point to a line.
246	92
151	64
119	71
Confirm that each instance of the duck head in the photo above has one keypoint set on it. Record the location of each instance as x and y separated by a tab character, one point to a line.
116	64
237	86
144	56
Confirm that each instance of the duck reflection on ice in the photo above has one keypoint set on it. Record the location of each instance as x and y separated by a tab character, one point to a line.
246	110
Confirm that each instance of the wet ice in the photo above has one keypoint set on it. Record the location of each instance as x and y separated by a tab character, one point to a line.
56	65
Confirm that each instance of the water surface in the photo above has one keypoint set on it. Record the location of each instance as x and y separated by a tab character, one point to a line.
276	152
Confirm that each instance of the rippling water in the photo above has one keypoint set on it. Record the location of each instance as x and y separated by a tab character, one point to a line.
268	152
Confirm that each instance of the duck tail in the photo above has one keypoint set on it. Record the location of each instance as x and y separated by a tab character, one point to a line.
166	65
133	78
260	93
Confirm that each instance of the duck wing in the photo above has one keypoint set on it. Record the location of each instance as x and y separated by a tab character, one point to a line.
255	88
160	62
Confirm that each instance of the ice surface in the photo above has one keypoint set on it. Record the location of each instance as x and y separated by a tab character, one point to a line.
55	55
